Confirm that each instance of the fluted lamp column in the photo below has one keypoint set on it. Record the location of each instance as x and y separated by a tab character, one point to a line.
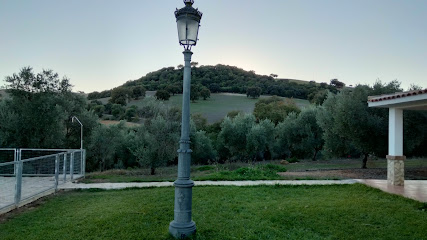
188	22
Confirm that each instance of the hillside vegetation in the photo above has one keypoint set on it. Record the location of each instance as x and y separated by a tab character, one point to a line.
223	78
216	107
40	106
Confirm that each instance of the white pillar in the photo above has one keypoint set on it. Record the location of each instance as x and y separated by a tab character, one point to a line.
395	132
395	157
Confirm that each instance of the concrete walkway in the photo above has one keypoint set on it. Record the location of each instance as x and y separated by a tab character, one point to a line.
70	185
414	189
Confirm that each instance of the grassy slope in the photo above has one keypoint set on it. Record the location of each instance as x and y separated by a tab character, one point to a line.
263	212
217	107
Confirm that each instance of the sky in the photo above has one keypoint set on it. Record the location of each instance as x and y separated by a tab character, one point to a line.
101	44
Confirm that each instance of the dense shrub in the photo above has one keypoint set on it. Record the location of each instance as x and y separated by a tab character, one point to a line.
162	95
274	108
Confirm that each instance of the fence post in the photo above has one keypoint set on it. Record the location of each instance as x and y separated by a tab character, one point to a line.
15	158
56	172
81	162
18	184
65	167
84	163
72	166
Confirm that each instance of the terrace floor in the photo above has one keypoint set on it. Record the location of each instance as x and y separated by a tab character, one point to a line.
414	189
32	188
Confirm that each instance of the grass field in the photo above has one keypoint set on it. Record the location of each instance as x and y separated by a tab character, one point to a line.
218	105
262	212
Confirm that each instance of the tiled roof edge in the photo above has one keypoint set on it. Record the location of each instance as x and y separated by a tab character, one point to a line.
396	95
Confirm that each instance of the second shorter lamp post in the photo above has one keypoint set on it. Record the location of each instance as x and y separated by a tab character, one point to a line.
81	130
188	22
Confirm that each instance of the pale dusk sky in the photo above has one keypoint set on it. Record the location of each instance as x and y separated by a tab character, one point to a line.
101	44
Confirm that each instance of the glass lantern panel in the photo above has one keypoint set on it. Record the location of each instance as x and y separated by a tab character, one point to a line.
187	31
182	32
192	30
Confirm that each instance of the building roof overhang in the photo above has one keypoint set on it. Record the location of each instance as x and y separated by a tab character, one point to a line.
411	100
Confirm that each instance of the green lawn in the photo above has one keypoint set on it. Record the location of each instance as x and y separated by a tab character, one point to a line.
241	171
231	172
218	105
262	212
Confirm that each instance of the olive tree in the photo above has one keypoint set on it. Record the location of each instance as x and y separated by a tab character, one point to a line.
348	123
155	143
300	135
104	143
37	113
201	145
232	139
260	140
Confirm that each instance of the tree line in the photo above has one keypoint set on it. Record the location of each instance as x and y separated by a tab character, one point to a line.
38	115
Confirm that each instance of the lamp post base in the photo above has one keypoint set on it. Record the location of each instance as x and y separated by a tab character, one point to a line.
181	231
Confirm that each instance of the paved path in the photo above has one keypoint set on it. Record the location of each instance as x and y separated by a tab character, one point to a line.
70	185
414	189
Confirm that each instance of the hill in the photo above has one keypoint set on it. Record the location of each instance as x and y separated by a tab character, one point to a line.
224	78
218	105
214	108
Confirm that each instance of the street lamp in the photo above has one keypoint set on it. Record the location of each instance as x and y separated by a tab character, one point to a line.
187	20
81	130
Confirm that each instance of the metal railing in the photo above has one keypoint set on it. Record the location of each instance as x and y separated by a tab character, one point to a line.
32	173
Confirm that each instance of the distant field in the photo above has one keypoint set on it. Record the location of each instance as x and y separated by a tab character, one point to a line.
218	105
298	81
112	122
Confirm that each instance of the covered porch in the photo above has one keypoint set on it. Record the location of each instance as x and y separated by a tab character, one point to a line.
397	103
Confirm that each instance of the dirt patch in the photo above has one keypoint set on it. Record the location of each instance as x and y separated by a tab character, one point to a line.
357	173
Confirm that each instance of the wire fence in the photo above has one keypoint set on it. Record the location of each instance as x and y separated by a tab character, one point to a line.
27	174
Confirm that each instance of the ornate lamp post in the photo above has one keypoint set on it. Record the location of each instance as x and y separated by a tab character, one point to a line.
187	19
